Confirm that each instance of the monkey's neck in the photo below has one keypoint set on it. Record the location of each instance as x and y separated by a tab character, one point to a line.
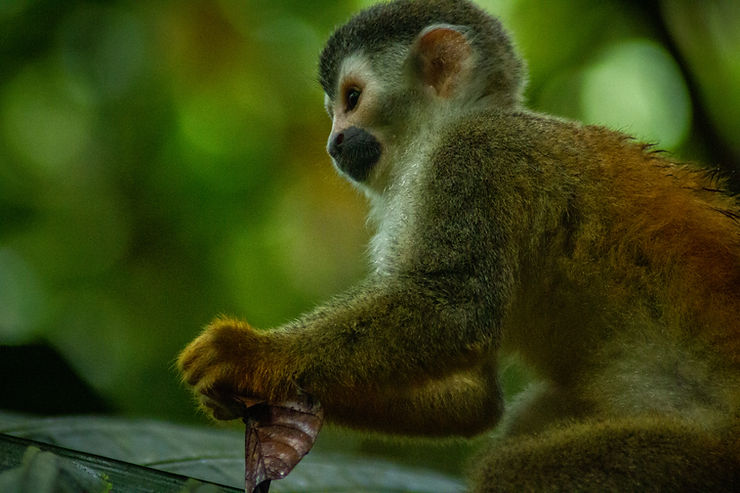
391	220
393	212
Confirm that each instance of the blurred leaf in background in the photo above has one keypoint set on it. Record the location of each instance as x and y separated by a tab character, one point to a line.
162	162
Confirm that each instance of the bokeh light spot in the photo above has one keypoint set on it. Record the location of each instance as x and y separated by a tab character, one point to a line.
636	87
104	49
42	125
21	298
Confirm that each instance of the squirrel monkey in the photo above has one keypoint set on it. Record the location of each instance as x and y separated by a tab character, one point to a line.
612	271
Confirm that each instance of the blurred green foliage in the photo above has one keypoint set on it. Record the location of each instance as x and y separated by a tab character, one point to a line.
162	162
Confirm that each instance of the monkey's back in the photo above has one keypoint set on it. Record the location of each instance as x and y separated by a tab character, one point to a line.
625	257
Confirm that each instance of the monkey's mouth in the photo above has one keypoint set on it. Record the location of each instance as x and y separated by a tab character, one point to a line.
355	152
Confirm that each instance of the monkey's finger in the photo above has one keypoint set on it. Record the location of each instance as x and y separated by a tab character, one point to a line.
197	363
194	374
190	355
199	350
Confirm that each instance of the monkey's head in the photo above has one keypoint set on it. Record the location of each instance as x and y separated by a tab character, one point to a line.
395	71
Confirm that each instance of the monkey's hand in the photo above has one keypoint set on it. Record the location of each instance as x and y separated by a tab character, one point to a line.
230	359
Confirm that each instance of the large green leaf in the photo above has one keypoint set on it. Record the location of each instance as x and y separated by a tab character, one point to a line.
217	455
34	467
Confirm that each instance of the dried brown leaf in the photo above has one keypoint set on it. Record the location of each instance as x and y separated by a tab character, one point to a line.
277	437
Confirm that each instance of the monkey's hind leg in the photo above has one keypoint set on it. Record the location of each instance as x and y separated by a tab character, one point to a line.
638	454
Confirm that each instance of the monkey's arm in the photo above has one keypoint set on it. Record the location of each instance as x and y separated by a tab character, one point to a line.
407	358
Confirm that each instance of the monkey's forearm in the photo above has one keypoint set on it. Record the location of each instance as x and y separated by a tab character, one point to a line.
397	336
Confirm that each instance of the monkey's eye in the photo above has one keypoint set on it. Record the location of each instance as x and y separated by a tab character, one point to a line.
352	98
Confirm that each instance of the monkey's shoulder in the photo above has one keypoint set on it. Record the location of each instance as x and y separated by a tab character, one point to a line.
525	132
497	146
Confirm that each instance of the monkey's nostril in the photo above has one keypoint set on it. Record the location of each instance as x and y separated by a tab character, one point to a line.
335	146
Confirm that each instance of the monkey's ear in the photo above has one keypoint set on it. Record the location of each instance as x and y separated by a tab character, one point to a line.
441	56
